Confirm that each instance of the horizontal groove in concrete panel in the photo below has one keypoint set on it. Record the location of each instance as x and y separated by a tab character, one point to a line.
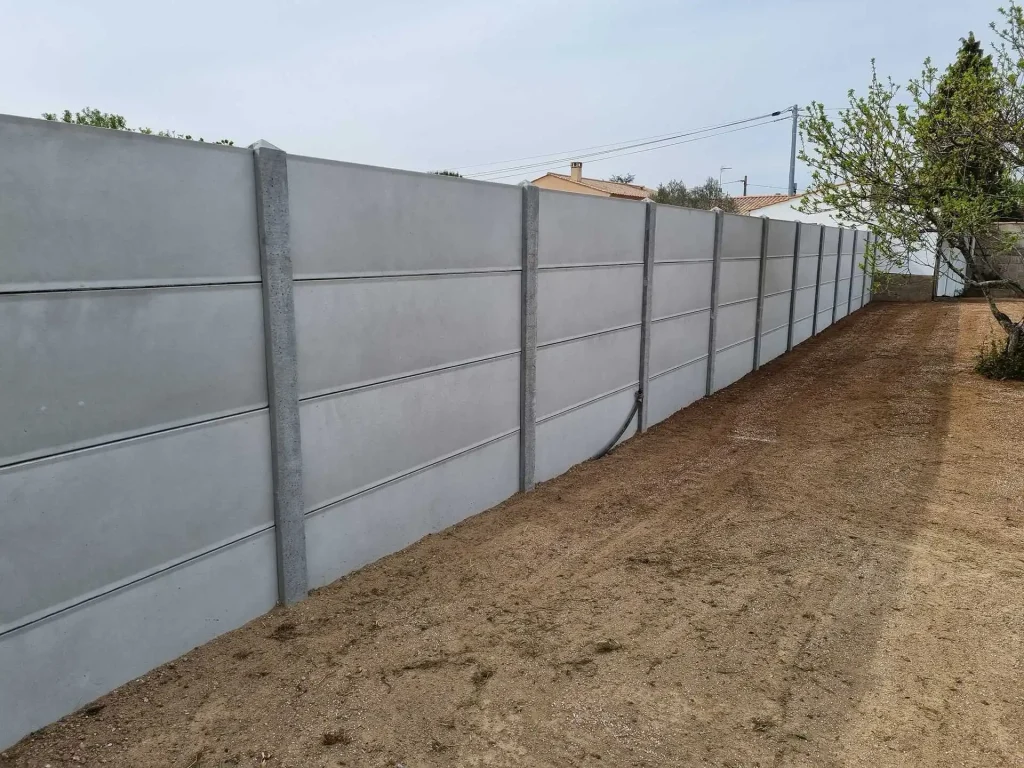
773	343
581	336
409	274
584	403
569	374
573	302
680	287
96	207
778	276
683	234
776	311
119	285
578	434
350	333
735	323
677	367
807	272
782	238
351	219
363	437
594	265
666	318
676	341
197	487
733	363
741	237
735	344
804	302
802	329
738	281
824	319
359	530
85	368
826	295
684	261
584	229
51	668
676	389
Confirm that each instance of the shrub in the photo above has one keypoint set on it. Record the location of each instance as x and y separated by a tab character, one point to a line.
993	362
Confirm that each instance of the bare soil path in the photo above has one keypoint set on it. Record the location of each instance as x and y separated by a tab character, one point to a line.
820	566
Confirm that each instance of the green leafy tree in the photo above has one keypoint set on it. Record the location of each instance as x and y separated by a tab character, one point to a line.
115	122
940	161
705	196
622	178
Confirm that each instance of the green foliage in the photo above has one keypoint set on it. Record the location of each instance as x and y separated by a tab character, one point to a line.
705	196
622	178
448	173
940	160
98	119
992	361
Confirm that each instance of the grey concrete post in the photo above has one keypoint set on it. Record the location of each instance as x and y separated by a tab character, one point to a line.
853	271
864	284
650	222
935	272
792	287
835	285
817	282
528	339
716	268
271	171
762	270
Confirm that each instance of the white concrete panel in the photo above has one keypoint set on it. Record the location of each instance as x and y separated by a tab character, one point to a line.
841	310
571	302
741	237
577	435
570	373
824	319
782	238
826	296
737	280
855	304
83	368
678	340
53	667
775	312
773	344
828	268
804	303
802	330
683	234
357	531
584	229
733	364
831	245
778	275
735	323
80	522
680	288
358	219
94	207
810	240
807	274
357	331
676	389
354	440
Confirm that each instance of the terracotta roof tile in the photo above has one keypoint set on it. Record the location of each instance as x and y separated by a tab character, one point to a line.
748	203
635	191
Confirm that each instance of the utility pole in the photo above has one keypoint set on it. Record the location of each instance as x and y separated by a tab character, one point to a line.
722	170
792	152
744	186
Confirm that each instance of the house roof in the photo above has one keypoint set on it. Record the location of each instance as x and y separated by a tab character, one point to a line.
635	191
748	203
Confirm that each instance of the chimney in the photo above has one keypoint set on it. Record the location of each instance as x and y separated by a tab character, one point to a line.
575	170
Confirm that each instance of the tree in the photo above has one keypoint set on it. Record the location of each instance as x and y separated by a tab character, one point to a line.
939	162
98	119
622	178
706	196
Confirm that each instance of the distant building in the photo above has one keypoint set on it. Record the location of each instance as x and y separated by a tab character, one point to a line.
575	182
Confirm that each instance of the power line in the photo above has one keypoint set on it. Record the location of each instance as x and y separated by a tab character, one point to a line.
629	142
590	156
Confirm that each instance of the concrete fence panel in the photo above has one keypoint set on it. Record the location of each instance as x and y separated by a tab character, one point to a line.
737	299
827	284
777	286
857	286
806	282
846	263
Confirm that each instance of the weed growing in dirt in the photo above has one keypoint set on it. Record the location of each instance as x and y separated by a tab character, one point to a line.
993	362
339	736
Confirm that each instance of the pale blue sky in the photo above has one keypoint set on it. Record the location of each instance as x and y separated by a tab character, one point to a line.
446	83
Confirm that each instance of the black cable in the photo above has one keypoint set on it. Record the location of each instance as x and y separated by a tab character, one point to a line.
636	406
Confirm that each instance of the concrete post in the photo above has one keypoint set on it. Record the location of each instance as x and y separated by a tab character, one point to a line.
864	284
528	339
853	271
817	282
716	268
835	285
792	287
935	272
271	172
650	222
762	270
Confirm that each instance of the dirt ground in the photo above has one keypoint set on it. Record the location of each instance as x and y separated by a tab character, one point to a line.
822	565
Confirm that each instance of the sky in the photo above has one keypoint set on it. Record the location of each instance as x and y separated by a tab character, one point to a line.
433	84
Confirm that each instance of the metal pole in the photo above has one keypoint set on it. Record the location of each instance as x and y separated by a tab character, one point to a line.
745	186
792	151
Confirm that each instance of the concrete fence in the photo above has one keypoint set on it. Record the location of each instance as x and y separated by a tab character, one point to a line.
230	375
